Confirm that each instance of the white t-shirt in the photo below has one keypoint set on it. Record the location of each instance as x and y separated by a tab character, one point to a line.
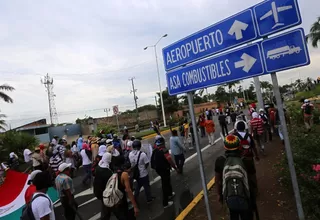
85	158
133	157
26	155
42	206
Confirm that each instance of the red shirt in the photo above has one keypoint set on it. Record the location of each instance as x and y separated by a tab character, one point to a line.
29	193
257	124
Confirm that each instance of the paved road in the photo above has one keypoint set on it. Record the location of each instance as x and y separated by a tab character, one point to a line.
185	186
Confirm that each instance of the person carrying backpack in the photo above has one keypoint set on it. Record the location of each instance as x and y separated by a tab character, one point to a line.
162	163
118	194
102	176
256	125
266	125
139	165
307	109
248	153
40	207
232	181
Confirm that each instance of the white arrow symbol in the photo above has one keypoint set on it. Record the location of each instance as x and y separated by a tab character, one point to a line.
247	62
237	29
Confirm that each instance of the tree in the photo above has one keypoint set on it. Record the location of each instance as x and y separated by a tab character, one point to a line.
314	35
2	122
221	94
4	96
299	85
171	103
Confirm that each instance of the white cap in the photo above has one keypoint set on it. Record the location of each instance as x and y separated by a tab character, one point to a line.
12	155
306	101
64	166
261	110
109	141
34	173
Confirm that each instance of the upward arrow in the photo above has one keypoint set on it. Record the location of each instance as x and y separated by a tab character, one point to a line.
237	29
246	62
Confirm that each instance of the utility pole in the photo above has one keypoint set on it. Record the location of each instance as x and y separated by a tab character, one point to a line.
48	84
106	110
135	98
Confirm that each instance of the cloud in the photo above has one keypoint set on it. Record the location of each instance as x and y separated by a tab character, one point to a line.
91	49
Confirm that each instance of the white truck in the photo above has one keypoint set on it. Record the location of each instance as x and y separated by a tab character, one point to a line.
282	51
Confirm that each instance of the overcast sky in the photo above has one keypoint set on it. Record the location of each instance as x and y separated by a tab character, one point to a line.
91	48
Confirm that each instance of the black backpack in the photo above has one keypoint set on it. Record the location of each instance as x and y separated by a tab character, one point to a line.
264	118
136	172
159	162
27	213
308	109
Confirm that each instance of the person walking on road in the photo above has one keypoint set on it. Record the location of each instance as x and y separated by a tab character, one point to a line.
248	152
102	176
162	162
307	109
223	123
210	129
256	125
232	181
64	186
86	162
140	159
202	124
266	125
177	150
41	204
233	117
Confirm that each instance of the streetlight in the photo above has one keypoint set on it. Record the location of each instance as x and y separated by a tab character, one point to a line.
161	98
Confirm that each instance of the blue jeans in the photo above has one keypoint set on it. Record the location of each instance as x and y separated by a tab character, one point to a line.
87	169
143	182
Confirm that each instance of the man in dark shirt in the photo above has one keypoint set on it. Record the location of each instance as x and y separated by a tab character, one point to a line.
232	147
162	162
223	124
233	117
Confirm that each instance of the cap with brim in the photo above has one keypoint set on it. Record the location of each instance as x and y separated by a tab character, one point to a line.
37	148
33	174
64	166
231	143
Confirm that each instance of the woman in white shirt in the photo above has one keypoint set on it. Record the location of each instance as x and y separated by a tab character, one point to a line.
86	155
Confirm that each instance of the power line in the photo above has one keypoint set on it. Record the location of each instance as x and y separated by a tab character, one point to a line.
48	84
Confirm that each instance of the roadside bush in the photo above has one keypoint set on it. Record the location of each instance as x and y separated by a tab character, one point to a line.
306	154
12	141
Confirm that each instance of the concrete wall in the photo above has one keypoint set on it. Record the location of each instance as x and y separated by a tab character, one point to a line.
69	130
43	138
125	119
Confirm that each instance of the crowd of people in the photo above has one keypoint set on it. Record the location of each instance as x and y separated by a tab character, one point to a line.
118	168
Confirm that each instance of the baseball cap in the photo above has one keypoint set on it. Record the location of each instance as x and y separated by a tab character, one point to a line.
64	166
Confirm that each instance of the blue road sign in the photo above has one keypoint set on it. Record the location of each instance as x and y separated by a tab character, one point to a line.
275	15
285	51
229	33
235	65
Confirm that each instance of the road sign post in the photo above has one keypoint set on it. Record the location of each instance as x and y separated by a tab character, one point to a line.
279	53
258	92
287	146
199	154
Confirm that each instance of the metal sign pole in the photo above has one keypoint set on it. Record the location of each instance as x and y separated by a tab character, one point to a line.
117	122
196	136
258	92
287	146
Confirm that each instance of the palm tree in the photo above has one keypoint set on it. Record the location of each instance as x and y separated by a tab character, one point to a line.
314	35
299	85
2	122
4	96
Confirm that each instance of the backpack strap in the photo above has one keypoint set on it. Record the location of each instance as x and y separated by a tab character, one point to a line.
40	195
139	158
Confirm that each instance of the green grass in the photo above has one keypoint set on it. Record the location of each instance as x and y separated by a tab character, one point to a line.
308	94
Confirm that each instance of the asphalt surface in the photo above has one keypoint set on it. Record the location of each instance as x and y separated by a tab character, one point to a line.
185	186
